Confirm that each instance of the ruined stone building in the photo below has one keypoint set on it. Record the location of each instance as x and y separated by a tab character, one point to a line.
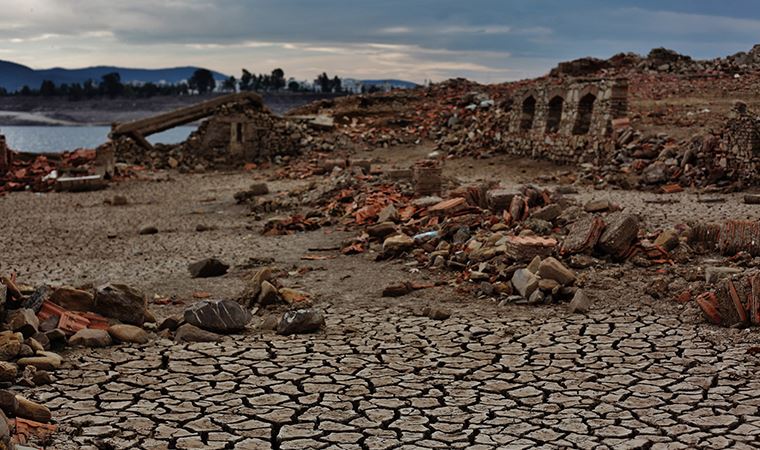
568	122
740	145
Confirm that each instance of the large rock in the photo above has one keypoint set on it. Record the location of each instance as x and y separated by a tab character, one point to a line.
583	235
191	333
73	299
552	269
548	213
10	346
525	282
208	268
23	321
301	321
5	433
622	229
219	316
8	372
128	333
121	302
88	337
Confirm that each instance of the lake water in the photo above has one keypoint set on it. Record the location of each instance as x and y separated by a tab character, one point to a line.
39	139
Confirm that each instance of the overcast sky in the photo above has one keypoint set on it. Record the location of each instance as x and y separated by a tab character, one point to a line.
485	40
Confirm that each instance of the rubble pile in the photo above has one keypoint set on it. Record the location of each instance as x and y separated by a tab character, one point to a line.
21	171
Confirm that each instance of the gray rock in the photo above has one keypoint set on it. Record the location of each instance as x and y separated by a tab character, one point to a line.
191	333
524	282
548	213
23	321
268	294
208	268
128	333
552	269
88	337
121	302
397	244
219	316
581	303
715	274
148	229
436	313
300	321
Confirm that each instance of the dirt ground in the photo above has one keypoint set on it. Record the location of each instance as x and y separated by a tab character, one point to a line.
637	372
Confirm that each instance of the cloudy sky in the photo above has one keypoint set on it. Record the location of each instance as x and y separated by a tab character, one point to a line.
486	40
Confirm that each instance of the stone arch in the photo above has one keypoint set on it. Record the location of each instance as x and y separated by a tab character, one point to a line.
585	113
554	114
528	113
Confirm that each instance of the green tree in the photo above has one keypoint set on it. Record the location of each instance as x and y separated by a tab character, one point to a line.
230	84
278	79
111	85
246	81
202	81
25	91
47	89
76	92
294	86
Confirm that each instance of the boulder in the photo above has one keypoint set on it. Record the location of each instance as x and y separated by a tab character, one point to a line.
219	316
268	294
10	346
548	213
8	402
525	282
300	321
88	337
128	333
23	321
552	269
191	333
121	302
208	268
73	299
583	235
581	303
668	240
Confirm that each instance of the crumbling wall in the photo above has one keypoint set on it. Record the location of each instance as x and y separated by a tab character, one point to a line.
569	122
5	156
741	142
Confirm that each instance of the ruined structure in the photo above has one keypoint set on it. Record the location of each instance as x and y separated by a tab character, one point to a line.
238	129
5	156
569	122
741	144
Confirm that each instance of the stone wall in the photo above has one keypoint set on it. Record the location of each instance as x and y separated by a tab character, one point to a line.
567	122
741	144
5	156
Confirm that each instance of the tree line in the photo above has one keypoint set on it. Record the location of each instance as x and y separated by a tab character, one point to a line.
202	81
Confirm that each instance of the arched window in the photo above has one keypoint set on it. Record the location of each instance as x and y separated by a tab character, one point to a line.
585	111
554	116
528	113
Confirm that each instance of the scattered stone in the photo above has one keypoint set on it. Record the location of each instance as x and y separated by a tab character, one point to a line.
596	206
525	248
128	333
119	200
580	304
73	299
219	316
583	235
534	265
268	294
202	228
191	333
301	321
24	321
668	240
436	312
8	402
123	303
28	409
388	214
56	337
525	282
536	298
10	346
715	274
88	337
208	268
548	213
397	244
293	296
42	361
170	323
581	261
381	230
8	372
148	229
552	269
622	229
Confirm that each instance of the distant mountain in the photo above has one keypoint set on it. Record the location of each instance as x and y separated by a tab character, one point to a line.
14	76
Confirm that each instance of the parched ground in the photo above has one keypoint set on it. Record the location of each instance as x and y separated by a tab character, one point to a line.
636	372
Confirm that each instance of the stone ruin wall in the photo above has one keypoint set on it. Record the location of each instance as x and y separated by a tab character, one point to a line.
741	144
568	123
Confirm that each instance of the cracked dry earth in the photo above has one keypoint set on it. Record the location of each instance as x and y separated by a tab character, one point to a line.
635	373
382	379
